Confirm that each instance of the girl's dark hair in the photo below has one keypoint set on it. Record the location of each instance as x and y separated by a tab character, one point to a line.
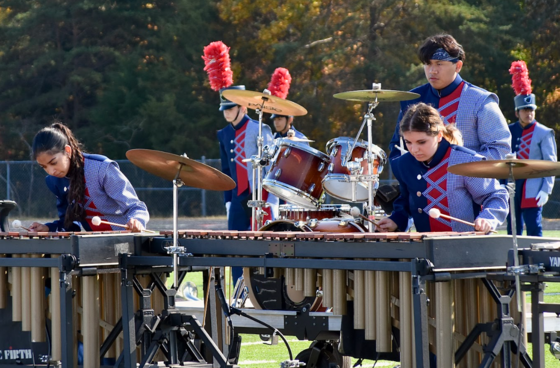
52	140
426	119
440	41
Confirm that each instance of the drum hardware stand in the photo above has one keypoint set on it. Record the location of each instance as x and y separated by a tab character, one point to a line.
176	250
369	117
258	162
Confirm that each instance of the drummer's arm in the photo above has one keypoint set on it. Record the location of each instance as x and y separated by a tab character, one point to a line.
401	210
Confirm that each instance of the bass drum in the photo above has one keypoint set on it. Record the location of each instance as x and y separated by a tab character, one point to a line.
271	293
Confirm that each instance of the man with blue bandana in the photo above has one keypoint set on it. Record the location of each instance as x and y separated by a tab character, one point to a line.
473	110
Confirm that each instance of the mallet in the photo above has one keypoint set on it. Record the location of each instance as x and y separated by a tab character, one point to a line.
96	221
435	213
17	223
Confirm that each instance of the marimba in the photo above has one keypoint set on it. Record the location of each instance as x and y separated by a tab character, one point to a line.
384	275
394	268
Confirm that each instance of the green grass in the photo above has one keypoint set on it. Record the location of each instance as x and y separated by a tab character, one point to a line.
255	353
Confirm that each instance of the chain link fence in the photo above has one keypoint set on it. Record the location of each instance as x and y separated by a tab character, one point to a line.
24	183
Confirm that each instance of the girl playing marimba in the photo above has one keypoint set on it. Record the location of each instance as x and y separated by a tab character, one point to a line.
425	183
85	185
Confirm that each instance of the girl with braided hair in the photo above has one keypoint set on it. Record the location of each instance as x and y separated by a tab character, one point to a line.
85	185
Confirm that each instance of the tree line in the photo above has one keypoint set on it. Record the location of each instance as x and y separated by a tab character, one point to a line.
129	74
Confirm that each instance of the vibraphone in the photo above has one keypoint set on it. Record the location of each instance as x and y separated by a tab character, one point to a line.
383	274
372	262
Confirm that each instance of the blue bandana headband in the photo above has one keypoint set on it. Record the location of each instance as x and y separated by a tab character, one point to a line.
441	54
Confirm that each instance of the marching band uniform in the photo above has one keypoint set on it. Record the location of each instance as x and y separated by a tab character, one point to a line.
426	186
108	195
475	112
236	144
534	141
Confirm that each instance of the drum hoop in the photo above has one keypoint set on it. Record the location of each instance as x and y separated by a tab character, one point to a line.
308	149
336	206
360	143
276	183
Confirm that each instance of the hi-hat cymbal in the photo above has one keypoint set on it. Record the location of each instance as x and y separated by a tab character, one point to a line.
499	169
377	94
265	102
193	173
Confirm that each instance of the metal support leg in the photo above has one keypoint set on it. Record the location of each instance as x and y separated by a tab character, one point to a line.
129	333
65	284
419	301
537	320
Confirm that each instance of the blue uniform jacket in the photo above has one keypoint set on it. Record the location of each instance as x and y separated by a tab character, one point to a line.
461	192
543	147
478	118
108	188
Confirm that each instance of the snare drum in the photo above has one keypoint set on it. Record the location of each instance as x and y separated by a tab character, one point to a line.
296	173
338	182
326	211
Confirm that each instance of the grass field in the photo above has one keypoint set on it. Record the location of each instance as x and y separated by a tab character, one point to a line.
255	353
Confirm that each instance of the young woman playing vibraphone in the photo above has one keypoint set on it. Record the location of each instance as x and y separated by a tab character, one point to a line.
426	185
85	186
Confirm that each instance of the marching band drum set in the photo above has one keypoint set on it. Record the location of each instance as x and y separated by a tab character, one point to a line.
300	174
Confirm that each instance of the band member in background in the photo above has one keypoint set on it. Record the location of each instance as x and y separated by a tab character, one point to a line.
529	140
238	141
85	185
279	86
426	184
473	110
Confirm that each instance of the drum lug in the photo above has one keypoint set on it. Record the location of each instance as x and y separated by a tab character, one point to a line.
278	173
321	166
331	167
287	152
311	188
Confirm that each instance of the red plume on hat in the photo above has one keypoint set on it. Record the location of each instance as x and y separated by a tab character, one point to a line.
520	78
279	85
218	65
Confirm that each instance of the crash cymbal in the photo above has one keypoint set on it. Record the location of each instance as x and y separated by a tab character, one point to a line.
268	103
193	174
377	94
499	169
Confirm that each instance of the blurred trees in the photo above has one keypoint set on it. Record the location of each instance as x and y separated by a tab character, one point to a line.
129	74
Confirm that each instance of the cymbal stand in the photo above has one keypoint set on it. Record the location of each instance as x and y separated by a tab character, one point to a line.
369	117
176	250
516	270
258	162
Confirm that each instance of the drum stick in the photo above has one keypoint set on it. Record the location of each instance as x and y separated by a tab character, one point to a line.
435	213
96	221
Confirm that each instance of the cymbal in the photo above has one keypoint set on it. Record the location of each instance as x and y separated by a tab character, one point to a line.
499	169
377	94
193	173
296	139
265	102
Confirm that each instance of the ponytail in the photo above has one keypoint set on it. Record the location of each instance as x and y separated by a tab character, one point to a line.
53	140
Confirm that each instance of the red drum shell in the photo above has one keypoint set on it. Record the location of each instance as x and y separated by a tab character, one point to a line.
337	182
326	211
296	173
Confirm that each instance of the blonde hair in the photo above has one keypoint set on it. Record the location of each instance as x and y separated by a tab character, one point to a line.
426	119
